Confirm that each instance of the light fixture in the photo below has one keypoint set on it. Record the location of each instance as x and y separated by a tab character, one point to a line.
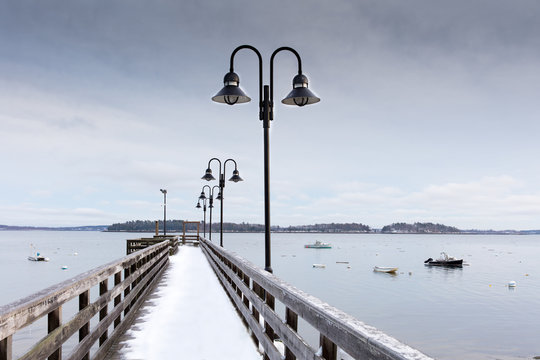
231	93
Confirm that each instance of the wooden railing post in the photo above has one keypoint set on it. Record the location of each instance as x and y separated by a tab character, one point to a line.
118	299
103	312
257	290
54	319
6	350
329	349
291	318
127	272
270	302
84	301
246	281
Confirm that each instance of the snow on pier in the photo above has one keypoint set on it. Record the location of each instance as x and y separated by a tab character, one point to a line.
188	316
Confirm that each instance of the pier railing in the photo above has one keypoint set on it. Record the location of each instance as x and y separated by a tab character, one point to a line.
141	271
254	292
133	245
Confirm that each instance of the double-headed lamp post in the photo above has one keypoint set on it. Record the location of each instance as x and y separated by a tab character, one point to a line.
164	191
232	94
235	177
204	211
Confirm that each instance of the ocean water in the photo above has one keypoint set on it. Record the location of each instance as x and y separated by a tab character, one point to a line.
463	313
460	313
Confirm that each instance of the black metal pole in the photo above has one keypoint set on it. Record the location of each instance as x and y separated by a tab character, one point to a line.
266	110
211	207
221	186
165	213
204	222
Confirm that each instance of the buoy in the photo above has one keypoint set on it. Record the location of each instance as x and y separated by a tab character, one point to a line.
512	284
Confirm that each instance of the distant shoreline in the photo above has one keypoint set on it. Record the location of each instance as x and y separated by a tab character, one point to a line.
103	228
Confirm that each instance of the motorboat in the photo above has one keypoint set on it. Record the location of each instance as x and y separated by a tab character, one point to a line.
385	269
444	260
38	257
318	245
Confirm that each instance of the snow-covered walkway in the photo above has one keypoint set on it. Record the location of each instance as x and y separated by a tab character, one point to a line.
189	316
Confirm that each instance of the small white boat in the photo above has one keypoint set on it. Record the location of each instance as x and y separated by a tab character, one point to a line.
385	269
36	256
319	265
318	245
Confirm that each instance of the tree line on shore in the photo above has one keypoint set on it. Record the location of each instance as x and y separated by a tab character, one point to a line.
178	225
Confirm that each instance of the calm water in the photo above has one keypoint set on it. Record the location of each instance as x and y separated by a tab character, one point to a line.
467	313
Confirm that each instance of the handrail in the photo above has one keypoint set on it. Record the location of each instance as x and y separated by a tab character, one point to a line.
248	284
141	270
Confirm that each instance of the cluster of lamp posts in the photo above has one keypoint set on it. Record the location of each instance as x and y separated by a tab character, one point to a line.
232	94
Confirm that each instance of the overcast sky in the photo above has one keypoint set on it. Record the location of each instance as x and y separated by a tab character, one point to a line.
429	111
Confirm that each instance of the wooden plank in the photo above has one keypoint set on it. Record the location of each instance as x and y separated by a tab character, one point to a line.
117	299
291	318
103	312
127	272
359	340
329	349
256	289
6	348
84	301
54	320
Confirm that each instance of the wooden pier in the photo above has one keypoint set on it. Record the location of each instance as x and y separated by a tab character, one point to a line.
254	292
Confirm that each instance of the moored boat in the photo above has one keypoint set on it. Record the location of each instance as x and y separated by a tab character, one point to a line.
385	269
444	260
38	257
318	245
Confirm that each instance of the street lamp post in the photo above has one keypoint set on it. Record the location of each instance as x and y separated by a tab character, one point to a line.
232	94
164	191
235	177
210	203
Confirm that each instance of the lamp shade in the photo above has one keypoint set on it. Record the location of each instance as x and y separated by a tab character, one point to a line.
236	176
198	205
218	197
300	94
202	196
208	175
231	93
